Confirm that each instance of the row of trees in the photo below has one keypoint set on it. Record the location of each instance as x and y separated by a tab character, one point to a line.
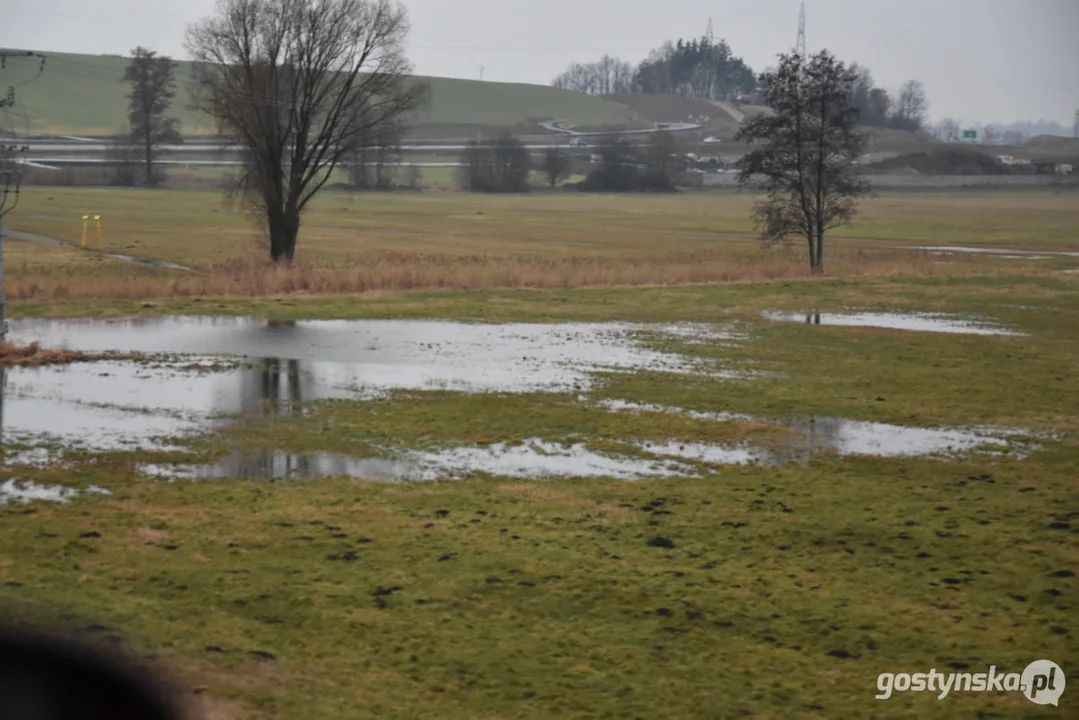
876	107
697	68
305	85
711	71
504	165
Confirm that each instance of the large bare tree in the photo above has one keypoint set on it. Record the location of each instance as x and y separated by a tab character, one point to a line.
298	83
805	152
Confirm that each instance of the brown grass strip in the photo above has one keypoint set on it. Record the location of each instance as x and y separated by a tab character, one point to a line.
33	355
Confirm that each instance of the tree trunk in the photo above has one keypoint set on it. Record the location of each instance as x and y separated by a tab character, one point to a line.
284	227
819	270
149	158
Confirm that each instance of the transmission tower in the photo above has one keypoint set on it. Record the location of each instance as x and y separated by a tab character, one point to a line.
10	172
800	46
1075	130
709	34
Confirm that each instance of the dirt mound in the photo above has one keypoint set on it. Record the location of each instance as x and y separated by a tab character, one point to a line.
1053	143
950	161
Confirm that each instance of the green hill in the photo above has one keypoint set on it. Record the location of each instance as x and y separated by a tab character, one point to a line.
84	94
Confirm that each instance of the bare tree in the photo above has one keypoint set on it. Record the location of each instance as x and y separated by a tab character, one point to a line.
372	159
911	107
948	130
388	136
662	161
499	166
153	80
556	165
299	83
808	153
607	76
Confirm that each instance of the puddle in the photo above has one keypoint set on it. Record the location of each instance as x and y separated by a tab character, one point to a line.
388	354
701	334
539	459
26	491
923	322
279	465
111	405
121	405
532	459
1003	252
710	454
843	436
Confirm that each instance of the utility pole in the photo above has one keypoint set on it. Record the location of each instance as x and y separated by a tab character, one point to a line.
10	176
800	47
1075	130
481	73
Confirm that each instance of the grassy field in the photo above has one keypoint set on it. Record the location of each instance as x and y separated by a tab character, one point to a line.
775	592
85	94
353	242
787	590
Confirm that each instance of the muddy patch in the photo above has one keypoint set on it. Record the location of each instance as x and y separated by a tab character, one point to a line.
919	322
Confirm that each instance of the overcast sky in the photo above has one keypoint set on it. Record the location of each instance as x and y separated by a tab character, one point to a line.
984	60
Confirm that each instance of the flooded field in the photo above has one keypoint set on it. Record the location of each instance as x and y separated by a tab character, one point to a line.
275	367
204	373
920	322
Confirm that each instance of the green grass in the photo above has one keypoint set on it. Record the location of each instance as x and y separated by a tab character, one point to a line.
85	94
787	592
197	227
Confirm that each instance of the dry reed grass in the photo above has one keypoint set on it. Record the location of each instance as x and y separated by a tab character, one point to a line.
33	355
398	271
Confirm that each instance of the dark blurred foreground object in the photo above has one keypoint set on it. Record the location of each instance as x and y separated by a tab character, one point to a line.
58	677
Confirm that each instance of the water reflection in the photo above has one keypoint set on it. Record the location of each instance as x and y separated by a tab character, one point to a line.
119	405
924	322
279	388
280	465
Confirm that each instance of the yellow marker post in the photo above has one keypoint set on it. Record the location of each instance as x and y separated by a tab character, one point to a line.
85	225
100	241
